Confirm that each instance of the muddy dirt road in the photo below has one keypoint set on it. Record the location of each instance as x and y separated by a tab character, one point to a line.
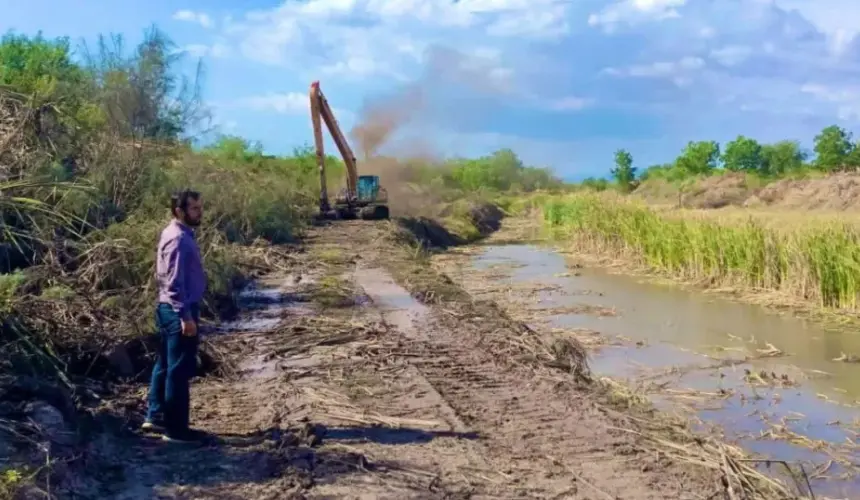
340	384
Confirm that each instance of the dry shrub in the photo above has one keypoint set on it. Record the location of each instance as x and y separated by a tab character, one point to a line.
15	150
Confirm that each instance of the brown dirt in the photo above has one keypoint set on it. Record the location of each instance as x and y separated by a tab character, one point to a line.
835	192
717	192
380	395
710	192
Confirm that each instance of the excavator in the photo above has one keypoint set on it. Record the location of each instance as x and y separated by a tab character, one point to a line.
363	195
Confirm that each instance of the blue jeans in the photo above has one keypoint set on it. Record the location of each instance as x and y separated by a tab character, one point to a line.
175	364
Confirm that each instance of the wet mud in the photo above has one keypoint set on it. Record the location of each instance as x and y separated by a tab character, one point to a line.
774	384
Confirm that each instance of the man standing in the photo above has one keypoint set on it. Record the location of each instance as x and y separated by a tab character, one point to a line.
181	284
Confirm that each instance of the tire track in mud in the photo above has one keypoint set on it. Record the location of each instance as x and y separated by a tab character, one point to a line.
459	460
272	438
553	444
345	399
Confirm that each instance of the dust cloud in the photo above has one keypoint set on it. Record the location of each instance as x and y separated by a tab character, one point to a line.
379	119
383	120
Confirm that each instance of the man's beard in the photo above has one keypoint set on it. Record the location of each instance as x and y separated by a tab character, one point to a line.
191	222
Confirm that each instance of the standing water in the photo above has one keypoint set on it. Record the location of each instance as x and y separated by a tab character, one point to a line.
782	389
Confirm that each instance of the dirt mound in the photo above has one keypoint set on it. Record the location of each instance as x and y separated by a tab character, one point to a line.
430	233
487	217
717	192
656	191
708	192
835	192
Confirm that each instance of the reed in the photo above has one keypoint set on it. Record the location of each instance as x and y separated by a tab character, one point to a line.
817	263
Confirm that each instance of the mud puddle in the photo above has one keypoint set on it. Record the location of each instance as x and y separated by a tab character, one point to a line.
399	308
772	383
264	305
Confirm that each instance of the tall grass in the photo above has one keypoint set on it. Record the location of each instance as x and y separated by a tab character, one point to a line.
118	127
818	264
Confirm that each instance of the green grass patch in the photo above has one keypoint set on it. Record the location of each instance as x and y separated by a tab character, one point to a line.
819	263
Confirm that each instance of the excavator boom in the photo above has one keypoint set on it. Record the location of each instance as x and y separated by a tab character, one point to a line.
350	201
316	121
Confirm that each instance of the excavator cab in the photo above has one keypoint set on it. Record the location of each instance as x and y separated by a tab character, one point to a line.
368	187
363	195
371	197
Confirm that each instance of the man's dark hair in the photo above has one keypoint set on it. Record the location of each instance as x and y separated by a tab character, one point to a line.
179	199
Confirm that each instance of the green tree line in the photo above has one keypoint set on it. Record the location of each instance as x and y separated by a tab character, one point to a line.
95	137
834	149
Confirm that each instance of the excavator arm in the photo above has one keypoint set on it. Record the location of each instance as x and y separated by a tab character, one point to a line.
363	196
321	113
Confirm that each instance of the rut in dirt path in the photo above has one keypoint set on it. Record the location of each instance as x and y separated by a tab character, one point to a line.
562	447
256	449
308	415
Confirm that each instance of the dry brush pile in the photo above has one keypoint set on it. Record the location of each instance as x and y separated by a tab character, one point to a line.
84	185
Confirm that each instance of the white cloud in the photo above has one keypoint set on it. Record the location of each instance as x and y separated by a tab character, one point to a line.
570	103
215	50
737	55
548	22
380	37
661	69
481	68
286	103
634	12
731	55
193	17
742	65
836	18
707	32
845	99
535	18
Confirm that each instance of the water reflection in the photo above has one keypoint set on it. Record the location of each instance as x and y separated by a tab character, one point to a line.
675	329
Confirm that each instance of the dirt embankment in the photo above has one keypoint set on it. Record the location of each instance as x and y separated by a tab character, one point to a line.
363	373
431	233
836	192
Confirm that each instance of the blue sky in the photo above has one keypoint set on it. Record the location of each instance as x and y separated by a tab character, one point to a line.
562	82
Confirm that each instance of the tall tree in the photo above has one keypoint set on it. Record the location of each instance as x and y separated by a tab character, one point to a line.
853	159
624	171
142	93
832	147
782	157
504	168
743	155
699	157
